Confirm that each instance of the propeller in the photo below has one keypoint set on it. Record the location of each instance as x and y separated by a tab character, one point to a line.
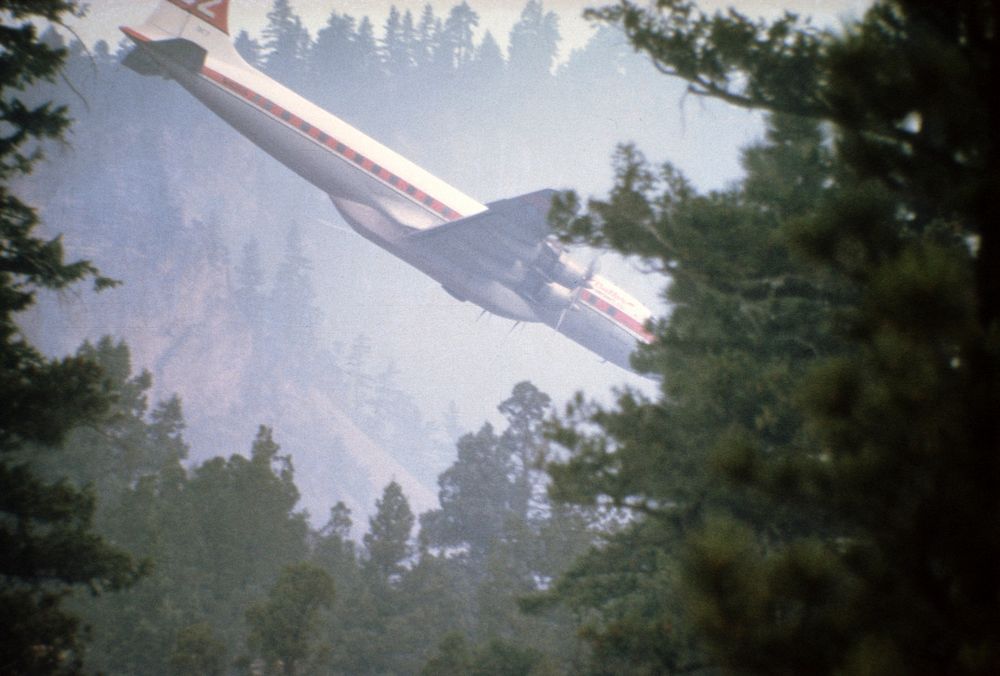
592	268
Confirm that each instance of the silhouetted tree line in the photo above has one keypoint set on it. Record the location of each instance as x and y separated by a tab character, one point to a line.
237	581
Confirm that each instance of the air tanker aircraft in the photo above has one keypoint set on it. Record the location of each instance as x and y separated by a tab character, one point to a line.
500	256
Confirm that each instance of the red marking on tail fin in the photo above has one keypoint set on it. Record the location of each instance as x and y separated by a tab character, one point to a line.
213	12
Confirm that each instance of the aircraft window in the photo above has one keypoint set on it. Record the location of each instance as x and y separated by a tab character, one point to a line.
410	189
341	147
359	158
323	137
428	200
305	126
285	115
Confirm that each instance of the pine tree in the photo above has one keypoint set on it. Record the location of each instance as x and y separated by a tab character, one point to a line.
454	47
426	38
334	549
248	48
250	281
367	50
198	651
534	43
475	494
453	658
387	542
283	628
854	531
488	64
286	43
398	43
295	316
46	538
524	445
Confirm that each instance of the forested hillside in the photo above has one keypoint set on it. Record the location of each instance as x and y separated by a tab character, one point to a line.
237	581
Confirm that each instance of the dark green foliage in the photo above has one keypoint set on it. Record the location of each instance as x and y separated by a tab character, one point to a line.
502	658
198	651
822	463
453	658
232	565
28	263
492	483
642	626
128	440
283	628
47	544
499	539
387	543
475	495
247	517
218	535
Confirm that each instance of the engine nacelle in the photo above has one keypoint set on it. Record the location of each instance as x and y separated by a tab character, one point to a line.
557	265
554	295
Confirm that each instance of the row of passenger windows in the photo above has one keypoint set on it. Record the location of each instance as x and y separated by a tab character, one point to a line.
341	149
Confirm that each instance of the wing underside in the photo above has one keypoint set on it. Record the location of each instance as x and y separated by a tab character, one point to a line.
511	228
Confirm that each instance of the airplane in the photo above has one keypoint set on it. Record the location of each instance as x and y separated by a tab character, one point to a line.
501	256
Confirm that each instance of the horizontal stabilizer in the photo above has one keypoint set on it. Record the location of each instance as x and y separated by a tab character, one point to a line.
184	53
141	62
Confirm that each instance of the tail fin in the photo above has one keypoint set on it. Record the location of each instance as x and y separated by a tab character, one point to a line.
184	32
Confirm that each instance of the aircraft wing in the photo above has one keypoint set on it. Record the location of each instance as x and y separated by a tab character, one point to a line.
509	228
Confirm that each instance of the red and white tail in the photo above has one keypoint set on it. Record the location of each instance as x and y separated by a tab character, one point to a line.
202	25
213	12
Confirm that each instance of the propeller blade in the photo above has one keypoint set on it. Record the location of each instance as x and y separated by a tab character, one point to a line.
562	315
593	268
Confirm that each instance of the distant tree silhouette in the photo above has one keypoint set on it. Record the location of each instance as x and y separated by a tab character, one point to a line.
534	44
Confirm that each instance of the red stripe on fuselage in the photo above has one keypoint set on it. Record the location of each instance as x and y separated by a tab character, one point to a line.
398	184
617	315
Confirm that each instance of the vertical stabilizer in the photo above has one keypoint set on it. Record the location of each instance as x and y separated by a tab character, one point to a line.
213	12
